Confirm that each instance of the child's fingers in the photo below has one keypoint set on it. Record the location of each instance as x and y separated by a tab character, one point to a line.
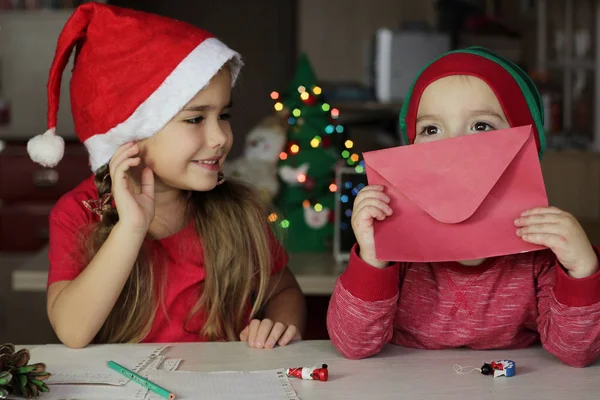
244	334
263	333
368	214
120	175
253	331
542	210
545	239
554	229
371	194
290	333
275	334
125	153
540	219
148	182
122	149
367	203
369	188
372	201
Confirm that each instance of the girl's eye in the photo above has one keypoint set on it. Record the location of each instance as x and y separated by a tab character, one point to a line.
430	130
199	119
194	121
482	127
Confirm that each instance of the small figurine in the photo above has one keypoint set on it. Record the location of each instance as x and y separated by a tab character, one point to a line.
499	368
318	373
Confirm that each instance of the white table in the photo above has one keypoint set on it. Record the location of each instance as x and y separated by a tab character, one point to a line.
401	373
316	273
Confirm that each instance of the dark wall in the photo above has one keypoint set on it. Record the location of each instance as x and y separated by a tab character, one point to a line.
262	31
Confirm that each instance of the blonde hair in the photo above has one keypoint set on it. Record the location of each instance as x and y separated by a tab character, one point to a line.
231	222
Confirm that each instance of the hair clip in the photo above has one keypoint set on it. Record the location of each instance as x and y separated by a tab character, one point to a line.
99	206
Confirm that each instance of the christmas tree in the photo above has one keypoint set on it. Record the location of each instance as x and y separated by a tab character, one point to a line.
316	144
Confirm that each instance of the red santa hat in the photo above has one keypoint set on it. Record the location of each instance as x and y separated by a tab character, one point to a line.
133	73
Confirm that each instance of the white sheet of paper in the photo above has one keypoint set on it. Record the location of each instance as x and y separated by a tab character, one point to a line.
130	391
257	385
88	365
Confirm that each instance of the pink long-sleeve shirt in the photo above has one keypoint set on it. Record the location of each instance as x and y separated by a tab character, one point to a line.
507	302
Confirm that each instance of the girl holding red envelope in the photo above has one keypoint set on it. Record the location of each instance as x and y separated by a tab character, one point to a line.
548	290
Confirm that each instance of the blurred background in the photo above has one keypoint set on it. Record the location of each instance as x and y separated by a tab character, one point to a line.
323	83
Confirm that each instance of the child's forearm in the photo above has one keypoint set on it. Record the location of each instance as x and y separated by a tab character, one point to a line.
289	307
360	317
569	315
78	309
359	328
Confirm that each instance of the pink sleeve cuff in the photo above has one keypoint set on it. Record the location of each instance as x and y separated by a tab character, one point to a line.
367	282
577	292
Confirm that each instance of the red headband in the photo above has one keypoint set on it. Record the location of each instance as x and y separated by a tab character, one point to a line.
498	79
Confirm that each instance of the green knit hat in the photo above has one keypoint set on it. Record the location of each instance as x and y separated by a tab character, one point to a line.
516	92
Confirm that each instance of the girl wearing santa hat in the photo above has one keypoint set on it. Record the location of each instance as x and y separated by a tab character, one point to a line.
512	301
157	246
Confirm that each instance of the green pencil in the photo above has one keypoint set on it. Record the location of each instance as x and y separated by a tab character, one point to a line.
162	392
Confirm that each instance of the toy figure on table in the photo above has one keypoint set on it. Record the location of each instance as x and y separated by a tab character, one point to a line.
499	368
318	372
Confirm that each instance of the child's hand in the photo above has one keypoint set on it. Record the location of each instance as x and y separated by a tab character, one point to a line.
370	204
135	209
266	333
559	231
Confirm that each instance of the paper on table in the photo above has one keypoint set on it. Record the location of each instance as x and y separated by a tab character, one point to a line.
88	365
129	391
94	392
257	385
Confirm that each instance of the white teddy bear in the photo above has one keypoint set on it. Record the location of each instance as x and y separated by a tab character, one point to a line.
258	165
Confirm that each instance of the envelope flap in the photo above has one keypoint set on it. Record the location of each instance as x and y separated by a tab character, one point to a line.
449	179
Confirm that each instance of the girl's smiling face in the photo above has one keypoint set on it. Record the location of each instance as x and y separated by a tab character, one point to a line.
189	152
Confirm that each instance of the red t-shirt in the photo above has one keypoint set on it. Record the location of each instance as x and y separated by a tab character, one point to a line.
181	255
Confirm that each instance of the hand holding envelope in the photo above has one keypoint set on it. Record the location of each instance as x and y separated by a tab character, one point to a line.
457	199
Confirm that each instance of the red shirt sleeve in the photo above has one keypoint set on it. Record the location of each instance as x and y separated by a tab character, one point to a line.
360	317
577	292
367	282
69	224
569	312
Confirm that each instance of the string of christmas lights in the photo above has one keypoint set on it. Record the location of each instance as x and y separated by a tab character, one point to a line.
352	159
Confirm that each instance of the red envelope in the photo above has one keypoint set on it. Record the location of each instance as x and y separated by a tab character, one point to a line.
457	199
